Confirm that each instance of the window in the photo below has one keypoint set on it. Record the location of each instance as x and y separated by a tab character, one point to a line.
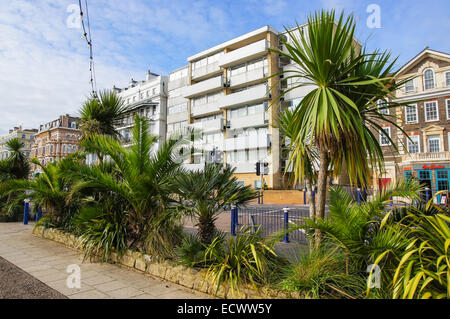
447	78
408	175
384	140
428	79
434	144
447	103
413	146
178	108
411	113
409	86
382	104
431	111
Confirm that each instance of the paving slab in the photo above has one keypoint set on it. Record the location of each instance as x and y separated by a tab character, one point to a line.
47	261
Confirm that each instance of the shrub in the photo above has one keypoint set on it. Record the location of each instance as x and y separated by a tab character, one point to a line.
191	252
244	259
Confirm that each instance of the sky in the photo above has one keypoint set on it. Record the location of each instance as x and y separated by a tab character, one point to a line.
44	61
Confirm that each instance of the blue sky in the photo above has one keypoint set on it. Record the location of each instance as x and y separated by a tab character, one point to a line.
44	63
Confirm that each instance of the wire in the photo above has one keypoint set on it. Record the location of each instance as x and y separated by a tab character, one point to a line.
88	37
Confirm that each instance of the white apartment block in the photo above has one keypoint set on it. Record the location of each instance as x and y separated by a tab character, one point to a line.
224	94
146	98
26	136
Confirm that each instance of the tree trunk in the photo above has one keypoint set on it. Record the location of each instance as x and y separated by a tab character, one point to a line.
321	191
312	206
206	229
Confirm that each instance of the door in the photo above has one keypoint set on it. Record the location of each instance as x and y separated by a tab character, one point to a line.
441	181
425	179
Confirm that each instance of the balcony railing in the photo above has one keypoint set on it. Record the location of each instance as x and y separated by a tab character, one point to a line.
208	126
203	87
205	70
257	119
251	95
248	77
247	142
205	109
249	52
427	156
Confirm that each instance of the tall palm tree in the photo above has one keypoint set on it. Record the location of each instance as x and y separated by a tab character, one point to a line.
142	179
18	161
100	116
204	193
339	114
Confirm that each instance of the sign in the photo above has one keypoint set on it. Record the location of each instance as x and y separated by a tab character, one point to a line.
444	199
433	166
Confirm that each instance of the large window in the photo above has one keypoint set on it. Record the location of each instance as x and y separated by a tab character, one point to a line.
447	103
447	78
431	111
411	114
413	144
409	86
428	79
178	108
384	140
434	144
382	104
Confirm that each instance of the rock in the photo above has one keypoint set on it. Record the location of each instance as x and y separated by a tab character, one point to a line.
140	264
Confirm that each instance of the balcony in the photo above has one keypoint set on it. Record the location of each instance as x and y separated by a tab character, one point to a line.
257	119
252	95
427	156
203	87
205	109
249	52
244	167
248	77
205	70
208	126
247	142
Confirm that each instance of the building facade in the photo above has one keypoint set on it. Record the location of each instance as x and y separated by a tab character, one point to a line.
56	140
224	94
147	98
26	136
426	120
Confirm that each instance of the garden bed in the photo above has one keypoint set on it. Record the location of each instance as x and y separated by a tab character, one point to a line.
191	278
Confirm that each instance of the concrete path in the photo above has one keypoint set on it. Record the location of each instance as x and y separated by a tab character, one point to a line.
47	261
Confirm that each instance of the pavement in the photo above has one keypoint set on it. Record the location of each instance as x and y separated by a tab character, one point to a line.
33	267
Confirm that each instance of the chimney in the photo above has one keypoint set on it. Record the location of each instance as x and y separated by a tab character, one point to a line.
147	77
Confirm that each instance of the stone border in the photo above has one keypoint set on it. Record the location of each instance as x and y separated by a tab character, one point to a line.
184	276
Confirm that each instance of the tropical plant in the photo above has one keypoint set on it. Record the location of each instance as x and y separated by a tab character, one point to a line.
354	227
339	114
142	179
320	274
49	189
16	165
422	268
246	258
191	251
204	194
103	227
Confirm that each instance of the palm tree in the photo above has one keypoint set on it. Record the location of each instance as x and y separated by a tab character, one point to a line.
204	193
100	116
49	189
338	116
17	161
140	178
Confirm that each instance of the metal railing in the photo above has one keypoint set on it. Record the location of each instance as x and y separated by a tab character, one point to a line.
270	222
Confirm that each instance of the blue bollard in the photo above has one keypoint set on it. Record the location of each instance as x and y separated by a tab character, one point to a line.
39	213
359	196
25	212
233	220
304	197
286	224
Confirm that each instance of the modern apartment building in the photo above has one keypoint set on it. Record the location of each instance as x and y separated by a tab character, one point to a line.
146	98
26	136
56	140
224	94
426	155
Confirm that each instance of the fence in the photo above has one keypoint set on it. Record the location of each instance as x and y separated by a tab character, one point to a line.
270	221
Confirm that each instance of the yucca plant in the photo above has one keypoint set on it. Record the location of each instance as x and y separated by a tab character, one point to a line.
422	269
244	259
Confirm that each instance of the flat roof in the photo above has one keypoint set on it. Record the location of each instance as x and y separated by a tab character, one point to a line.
223	45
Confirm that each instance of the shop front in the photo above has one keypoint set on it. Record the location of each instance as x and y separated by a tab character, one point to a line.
436	177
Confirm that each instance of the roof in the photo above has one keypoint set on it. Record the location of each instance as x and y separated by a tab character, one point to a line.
420	55
223	45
